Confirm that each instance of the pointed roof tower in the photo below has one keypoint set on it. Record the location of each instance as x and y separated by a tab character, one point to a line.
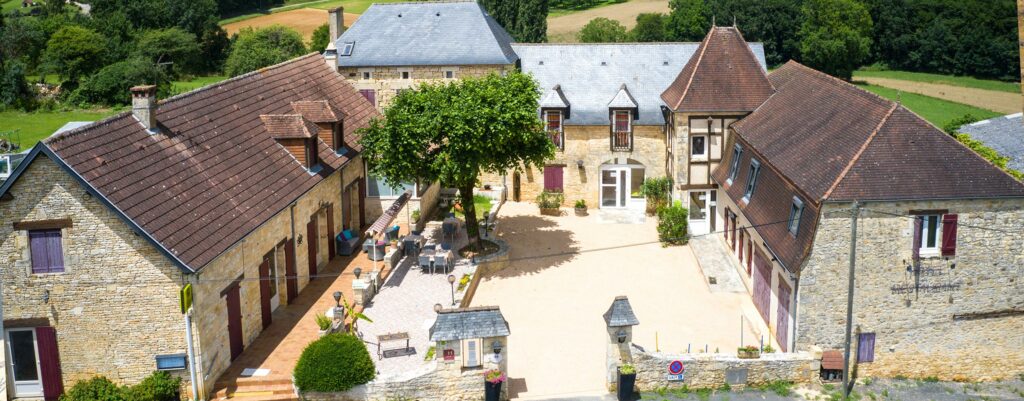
724	75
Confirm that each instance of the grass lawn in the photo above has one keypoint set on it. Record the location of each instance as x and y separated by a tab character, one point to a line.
966	82
32	127
482	205
351	6
937	111
558	12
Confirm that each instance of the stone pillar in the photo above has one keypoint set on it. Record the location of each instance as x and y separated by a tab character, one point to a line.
619	320
335	25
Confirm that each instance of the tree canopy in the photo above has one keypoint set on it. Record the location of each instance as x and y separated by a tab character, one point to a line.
170	45
494	129
650	27
601	29
320	38
835	36
688	21
258	48
525	20
74	51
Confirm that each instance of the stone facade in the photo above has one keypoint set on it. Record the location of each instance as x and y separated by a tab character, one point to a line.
387	81
709	370
961	323
115	307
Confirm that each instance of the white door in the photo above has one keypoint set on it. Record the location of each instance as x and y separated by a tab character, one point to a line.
23	360
699	212
276	268
614	187
472	354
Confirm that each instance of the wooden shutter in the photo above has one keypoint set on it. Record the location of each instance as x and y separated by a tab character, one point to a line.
47	252
49	363
265	290
866	347
330	232
726	233
234	307
311	240
782	316
918	223
762	286
740	253
553	178
292	285
949	234
370	95
750	250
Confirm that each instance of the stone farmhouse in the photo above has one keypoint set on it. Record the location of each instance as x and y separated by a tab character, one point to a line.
773	163
235	190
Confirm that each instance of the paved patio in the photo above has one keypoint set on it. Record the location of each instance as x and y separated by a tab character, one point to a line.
565	272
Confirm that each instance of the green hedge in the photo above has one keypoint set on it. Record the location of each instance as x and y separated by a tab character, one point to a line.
335	362
672	224
160	386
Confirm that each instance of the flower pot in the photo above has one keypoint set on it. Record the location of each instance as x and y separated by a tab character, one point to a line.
748	354
554	211
581	211
627	383
324	332
492	391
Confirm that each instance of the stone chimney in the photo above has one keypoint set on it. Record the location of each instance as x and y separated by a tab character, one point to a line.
335	24
144	106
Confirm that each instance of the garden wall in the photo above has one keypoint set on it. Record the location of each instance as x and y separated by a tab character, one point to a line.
437	381
710	370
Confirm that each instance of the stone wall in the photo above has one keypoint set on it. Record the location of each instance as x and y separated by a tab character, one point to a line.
115	307
387	81
709	370
959	323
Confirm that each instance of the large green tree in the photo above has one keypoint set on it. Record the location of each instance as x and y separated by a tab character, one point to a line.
74	51
525	20
650	27
172	45
835	36
688	20
603	30
494	129
772	22
258	48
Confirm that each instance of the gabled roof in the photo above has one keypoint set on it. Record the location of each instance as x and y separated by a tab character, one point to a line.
426	33
468	323
214	173
724	75
590	75
1004	134
622	99
288	126
620	313
554	98
317	111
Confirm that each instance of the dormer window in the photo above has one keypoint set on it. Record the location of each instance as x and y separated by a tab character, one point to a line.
339	137
553	125
795	212
755	170
312	153
346	49
622	130
734	166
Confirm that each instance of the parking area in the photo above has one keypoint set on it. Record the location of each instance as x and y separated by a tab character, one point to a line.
563	275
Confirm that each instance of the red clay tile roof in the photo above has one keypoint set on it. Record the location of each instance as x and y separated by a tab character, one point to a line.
723	75
288	126
317	111
832	360
214	173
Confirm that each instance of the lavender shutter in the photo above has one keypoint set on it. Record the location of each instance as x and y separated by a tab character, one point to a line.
49	363
55	252
949	234
918	222
866	347
38	246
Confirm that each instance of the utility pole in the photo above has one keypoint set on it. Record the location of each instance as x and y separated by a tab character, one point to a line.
849	300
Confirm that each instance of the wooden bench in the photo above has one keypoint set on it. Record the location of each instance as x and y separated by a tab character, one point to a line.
391	337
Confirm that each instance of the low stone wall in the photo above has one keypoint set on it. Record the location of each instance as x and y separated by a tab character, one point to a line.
442	383
709	370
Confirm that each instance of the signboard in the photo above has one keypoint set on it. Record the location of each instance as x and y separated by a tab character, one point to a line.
449	355
675	371
185	299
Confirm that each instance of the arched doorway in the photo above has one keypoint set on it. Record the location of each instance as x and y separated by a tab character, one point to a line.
619	186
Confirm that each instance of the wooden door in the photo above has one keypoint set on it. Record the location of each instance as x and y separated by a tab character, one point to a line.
782	318
762	286
346	209
515	186
265	283
234	320
291	281
311	241
362	203
330	232
49	363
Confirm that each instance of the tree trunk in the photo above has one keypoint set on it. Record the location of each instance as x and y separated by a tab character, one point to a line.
469	209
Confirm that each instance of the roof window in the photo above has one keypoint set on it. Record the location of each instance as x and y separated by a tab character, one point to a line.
346	50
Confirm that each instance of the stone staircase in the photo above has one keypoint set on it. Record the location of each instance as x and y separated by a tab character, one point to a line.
269	388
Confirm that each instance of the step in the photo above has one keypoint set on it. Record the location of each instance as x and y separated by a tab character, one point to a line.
257	396
254	381
262	389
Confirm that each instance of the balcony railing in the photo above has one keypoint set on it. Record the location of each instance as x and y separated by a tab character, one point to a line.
622	141
556	138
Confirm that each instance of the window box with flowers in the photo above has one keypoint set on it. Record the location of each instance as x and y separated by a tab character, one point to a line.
748	352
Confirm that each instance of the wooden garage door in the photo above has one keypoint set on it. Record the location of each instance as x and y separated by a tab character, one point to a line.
782	317
762	285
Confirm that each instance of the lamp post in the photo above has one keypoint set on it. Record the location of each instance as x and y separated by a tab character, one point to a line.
438	308
338	311
357	271
451	281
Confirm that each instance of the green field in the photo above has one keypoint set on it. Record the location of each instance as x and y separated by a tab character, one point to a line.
30	128
966	82
351	6
937	111
558	12
195	83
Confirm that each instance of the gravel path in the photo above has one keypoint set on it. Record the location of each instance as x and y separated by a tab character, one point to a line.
1003	102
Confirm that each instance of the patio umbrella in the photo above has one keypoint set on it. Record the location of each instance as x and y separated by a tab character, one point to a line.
381	225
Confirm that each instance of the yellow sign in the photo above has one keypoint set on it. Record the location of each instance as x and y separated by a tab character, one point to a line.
185	300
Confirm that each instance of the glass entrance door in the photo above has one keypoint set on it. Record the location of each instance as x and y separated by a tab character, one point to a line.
614	187
699	211
23	360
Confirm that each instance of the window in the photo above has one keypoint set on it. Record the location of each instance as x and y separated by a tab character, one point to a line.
346	49
553	178
622	120
866	347
406	74
734	167
370	95
47	251
171	362
338	136
698	147
367	74
755	168
621	130
376	187
928	236
449	74
312	154
553	124
5	167
794	215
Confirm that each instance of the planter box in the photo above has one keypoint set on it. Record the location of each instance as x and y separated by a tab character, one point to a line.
551	211
742	354
627	383
581	212
492	391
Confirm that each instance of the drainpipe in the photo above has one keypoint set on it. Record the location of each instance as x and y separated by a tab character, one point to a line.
191	354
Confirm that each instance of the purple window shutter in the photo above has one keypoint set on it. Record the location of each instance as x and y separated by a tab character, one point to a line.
49	363
55	252
918	222
866	347
38	246
949	234
558	178
370	95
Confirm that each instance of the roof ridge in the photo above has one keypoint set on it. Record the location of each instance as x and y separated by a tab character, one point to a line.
567	44
830	77
764	72
856	156
398	3
236	78
689	81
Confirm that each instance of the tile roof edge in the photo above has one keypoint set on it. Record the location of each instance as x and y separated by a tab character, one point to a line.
856	156
696	66
88	127
237	78
837	80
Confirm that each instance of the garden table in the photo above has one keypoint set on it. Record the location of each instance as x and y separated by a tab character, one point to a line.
391	337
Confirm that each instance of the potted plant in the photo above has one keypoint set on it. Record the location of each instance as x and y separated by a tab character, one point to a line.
492	384
550	202
748	352
767	349
324	323
627	381
581	207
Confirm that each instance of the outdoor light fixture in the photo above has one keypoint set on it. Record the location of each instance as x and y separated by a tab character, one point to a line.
496	346
357	271
451	281
437	308
621	336
46	296
337	298
579	163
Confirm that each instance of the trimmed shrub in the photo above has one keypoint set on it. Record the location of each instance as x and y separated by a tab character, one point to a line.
160	386
550	200
98	388
672	224
657	191
333	363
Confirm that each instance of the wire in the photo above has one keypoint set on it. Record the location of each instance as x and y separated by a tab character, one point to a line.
959	224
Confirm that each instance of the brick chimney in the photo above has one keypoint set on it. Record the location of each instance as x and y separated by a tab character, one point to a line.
144	106
335	24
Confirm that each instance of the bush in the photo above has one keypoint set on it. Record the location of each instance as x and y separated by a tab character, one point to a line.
550	200
255	49
320	39
657	191
953	127
110	85
96	389
603	30
160	386
672	229
335	362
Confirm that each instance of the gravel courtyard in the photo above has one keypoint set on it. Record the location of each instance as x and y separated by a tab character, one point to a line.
564	273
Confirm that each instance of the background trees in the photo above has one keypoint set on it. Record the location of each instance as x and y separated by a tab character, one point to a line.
688	21
258	48
74	51
835	36
525	20
650	27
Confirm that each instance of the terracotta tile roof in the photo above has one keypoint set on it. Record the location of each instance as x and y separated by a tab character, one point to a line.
317	111
288	126
214	173
724	75
832	360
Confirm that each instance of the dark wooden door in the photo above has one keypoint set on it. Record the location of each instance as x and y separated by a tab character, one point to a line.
362	202
291	281
515	186
762	286
782	318
311	241
234	320
346	209
49	363
330	232
265	289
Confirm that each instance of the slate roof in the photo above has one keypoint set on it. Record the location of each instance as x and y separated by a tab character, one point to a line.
620	313
426	33
213	174
466	323
724	75
590	75
1005	134
554	98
